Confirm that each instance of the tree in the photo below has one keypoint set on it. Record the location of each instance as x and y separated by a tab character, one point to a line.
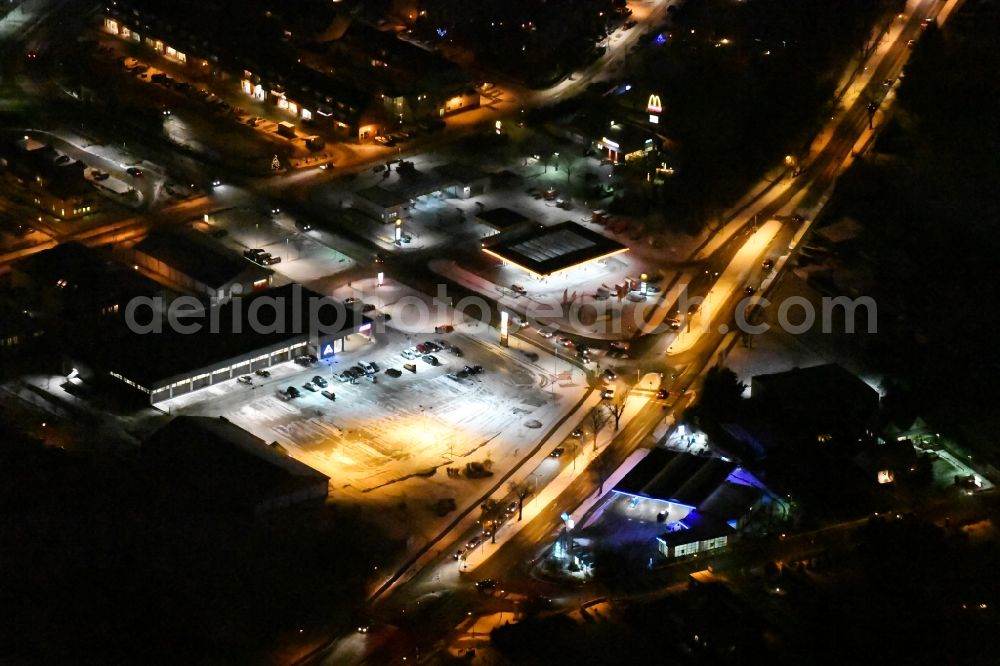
522	491
617	409
597	421
721	395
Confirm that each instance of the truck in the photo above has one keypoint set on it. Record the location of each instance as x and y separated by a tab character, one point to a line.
286	129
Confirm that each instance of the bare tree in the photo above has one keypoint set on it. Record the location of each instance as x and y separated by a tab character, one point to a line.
597	421
617	409
522	491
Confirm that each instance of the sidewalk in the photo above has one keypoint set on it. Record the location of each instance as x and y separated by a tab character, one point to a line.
567	474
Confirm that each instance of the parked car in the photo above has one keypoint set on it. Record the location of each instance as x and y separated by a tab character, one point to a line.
263	373
309	386
408	354
393	372
319	381
455	351
432	347
431	359
518	289
329	395
444	328
292	392
245	379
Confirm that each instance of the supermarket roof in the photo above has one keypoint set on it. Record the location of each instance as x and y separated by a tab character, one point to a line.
543	251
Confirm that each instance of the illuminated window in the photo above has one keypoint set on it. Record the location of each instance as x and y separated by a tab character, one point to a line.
306	114
111	25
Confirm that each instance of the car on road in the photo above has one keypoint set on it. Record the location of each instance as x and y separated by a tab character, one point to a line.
135	172
245	379
319	381
608	393
750	290
474	369
263	373
609	375
546	332
455	351
530	355
662	394
100	175
329	395
432	346
486	585
518	289
767	264
430	359
384	141
673	323
63	160
444	328
620	344
302	225
473	542
309	386
565	342
557	452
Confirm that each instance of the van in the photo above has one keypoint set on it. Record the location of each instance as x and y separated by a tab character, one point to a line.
313	142
286	129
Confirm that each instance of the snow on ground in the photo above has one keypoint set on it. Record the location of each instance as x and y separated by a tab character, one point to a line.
379	442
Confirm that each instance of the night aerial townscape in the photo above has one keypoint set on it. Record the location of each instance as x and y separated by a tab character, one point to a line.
489	332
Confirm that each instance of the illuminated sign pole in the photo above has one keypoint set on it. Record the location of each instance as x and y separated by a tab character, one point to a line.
504	317
654	108
380	279
399	232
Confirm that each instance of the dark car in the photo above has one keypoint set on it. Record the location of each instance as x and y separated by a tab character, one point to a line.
329	395
393	372
263	373
292	392
135	172
557	452
309	386
662	394
431	359
319	381
486	585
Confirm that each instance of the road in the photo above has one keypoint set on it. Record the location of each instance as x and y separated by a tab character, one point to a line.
807	190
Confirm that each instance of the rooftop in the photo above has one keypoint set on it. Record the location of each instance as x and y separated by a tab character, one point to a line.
543	251
502	218
676	477
198	257
220	463
153	360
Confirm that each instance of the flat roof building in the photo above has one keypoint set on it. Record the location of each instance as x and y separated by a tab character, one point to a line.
214	464
240	336
542	251
192	262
